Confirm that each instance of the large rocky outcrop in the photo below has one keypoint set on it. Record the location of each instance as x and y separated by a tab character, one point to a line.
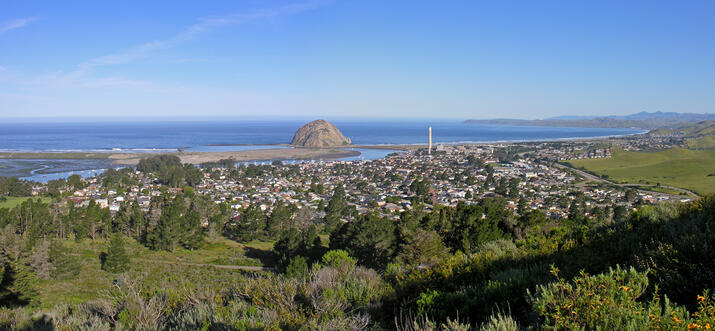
319	133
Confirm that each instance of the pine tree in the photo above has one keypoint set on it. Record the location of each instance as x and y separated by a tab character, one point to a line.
24	284
40	260
165	236
65	265
192	235
252	224
335	209
117	259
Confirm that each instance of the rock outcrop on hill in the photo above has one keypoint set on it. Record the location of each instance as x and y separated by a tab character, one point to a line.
319	133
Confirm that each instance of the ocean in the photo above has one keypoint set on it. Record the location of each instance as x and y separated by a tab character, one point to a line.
231	135
170	135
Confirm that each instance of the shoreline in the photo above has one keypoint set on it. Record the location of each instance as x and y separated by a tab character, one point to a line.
240	156
268	154
293	153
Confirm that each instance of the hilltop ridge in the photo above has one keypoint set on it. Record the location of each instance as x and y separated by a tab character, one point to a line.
642	120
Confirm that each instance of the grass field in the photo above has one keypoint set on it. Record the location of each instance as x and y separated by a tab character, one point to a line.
688	169
11	202
707	142
159	267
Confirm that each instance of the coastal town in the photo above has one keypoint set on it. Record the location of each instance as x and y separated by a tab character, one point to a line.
357	165
525	175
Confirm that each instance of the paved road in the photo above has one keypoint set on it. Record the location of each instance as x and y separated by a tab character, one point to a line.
636	186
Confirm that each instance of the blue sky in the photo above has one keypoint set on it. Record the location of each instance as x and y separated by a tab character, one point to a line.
427	59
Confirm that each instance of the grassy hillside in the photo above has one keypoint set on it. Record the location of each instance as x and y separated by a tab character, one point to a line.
688	169
155	267
707	142
11	202
699	129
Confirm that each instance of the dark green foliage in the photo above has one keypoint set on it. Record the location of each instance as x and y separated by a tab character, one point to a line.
338	258
370	238
75	182
422	247
251	226
293	242
610	301
176	227
223	163
118	179
170	171
336	209
502	187
504	268
65	264
673	242
421	188
280	219
513	188
468	226
117	259
5	279
158	162
14	187
191	233
297	268
165	236
19	285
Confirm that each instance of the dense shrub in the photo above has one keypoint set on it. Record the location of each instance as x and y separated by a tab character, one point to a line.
609	301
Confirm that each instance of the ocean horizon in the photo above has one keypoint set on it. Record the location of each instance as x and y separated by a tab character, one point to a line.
225	136
168	136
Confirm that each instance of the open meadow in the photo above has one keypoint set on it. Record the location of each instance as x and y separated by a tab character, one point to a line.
11	202
221	260
684	168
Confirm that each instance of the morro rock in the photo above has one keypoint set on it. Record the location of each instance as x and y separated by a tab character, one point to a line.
319	133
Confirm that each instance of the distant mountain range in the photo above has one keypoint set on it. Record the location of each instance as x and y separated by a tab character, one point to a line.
642	120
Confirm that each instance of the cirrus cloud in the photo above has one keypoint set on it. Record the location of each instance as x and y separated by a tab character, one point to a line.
16	24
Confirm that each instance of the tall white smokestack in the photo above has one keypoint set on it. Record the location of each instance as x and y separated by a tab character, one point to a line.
429	142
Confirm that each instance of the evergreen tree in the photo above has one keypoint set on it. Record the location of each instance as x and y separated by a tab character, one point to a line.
334	211
5	279
137	223
40	260
421	188
117	259
294	243
279	219
298	267
64	263
24	284
192	234
369	238
422	247
165	236
514	188
502	187
252	225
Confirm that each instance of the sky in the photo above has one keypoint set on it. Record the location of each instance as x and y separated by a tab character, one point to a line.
368	58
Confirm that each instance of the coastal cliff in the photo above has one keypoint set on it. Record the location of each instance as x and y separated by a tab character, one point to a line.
319	133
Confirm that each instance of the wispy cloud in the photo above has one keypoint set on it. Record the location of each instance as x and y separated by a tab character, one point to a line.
204	25
82	75
16	24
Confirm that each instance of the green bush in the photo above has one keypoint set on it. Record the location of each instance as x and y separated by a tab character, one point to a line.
609	301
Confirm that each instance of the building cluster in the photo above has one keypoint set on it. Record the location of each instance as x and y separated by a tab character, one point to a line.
455	174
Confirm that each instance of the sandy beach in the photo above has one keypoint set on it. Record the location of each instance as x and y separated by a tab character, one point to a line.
250	155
